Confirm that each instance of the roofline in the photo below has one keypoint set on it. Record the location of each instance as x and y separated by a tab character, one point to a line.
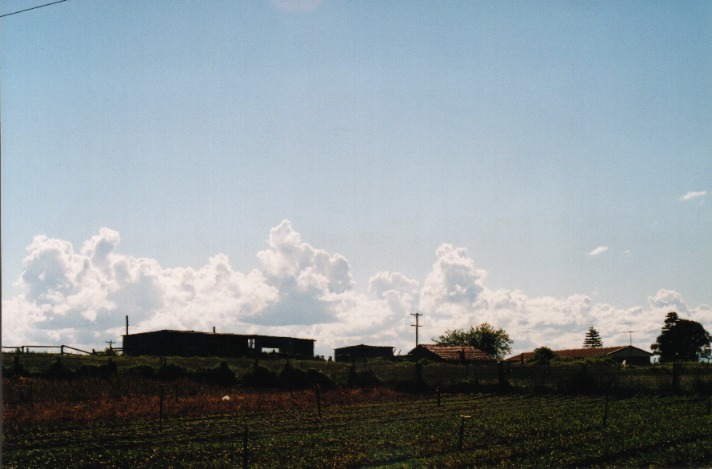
612	349
248	336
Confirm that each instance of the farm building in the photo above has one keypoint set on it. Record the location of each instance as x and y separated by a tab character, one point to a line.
450	353
359	352
631	355
191	343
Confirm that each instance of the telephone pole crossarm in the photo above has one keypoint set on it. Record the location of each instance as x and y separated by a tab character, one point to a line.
416	325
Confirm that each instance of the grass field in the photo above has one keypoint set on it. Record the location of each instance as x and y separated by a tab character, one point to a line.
383	430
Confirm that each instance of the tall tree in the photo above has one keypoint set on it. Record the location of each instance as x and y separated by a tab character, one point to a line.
494	342
593	339
682	340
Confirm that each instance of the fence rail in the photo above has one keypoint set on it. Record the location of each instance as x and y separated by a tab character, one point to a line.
27	348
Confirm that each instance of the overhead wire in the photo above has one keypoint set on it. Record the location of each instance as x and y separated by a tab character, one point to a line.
33	8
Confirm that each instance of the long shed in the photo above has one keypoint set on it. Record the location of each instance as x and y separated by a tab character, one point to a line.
192	343
359	352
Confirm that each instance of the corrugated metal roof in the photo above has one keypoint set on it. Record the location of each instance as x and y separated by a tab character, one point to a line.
580	352
455	352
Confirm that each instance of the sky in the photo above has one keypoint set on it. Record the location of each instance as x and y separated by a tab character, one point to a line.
324	169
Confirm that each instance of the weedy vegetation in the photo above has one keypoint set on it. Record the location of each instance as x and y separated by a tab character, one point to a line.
133	417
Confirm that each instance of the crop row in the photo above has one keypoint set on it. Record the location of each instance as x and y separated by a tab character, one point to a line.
512	430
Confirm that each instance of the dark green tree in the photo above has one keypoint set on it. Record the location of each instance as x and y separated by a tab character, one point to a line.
681	340
593	339
494	342
543	355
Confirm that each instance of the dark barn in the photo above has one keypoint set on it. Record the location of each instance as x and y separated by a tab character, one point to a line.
359	352
191	343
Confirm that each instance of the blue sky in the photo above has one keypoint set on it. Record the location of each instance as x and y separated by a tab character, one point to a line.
566	146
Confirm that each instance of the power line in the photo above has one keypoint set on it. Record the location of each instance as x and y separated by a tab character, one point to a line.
33	8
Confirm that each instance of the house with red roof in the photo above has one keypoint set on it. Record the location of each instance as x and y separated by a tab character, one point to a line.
450	354
622	353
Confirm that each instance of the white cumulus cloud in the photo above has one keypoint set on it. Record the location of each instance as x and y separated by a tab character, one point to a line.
80	298
598	251
693	195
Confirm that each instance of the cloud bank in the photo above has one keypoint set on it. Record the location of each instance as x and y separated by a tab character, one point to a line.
80	297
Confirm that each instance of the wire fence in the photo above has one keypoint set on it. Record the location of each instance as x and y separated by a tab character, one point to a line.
48	349
71	376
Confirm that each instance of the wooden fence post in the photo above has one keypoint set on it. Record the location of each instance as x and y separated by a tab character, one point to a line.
462	431
160	409
317	391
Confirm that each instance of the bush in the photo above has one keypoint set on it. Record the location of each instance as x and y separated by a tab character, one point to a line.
292	378
222	375
362	379
317	377
143	371
16	370
295	378
107	371
171	371
57	371
260	377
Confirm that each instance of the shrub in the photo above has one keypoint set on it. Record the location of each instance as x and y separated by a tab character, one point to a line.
222	375
260	377
57	371
542	356
107	371
361	379
16	370
143	371
172	371
317	377
295	378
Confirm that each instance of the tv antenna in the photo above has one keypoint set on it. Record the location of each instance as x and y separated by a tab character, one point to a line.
416	325
630	335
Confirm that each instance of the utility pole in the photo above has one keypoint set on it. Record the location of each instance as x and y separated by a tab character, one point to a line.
416	325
